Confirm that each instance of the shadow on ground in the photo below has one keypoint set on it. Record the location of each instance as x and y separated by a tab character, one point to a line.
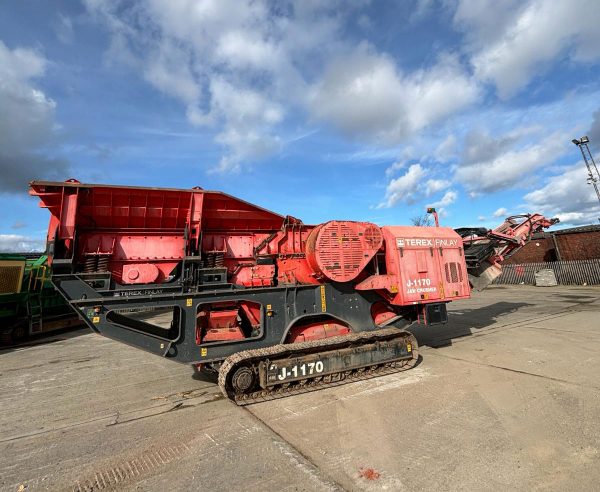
205	375
461	323
46	338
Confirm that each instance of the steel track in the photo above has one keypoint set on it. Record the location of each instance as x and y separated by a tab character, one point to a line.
253	357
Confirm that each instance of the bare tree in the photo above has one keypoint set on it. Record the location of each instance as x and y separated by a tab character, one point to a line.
421	220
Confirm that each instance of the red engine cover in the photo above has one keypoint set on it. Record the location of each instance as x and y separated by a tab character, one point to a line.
340	250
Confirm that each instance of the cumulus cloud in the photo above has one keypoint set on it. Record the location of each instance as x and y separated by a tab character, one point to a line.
447	148
504	163
395	167
501	212
485	21
432	186
27	122
403	188
479	146
243	67
233	65
249	69
15	243
248	117
413	186
512	42
365	95
568	197
448	199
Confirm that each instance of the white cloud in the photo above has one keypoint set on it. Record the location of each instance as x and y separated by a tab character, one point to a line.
442	212
248	117
432	186
365	95
15	243
479	146
406	156
404	187
168	69
577	218
496	171
415	184
514	41
248	69
482	218
501	212
485	21
245	145
248	50
447	148
448	199
242	66
394	168
20	64
567	196
27	122
232	64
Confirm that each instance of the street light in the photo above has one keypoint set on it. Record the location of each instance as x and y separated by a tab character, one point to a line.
582	140
593	174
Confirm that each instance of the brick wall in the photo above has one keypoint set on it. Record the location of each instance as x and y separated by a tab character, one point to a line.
572	246
579	246
535	251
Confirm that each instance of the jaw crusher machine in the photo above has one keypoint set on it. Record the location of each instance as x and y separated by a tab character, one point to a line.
485	249
275	306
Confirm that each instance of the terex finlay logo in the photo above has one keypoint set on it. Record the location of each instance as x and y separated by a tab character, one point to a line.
426	242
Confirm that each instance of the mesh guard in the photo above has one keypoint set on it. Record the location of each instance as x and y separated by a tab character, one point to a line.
340	250
11	276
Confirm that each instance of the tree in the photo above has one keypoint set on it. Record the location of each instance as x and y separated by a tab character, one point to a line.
421	220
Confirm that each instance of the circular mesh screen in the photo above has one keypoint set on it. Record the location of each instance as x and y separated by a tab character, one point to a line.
340	250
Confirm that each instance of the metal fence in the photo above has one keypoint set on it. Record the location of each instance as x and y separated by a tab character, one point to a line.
578	272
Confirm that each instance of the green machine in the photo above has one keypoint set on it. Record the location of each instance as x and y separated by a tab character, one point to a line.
29	304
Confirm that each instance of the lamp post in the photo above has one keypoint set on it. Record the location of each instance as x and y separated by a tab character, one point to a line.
593	174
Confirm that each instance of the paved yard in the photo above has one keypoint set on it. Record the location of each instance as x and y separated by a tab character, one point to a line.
507	396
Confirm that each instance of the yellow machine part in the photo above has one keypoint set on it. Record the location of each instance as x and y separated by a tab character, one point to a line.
11	276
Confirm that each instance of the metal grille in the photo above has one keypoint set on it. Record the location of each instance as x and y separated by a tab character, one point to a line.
453	273
567	272
341	251
10	278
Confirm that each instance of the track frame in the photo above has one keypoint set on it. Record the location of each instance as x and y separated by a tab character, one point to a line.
95	296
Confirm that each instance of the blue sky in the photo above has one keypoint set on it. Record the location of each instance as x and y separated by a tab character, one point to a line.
349	110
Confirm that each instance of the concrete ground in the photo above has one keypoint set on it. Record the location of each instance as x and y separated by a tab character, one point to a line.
507	397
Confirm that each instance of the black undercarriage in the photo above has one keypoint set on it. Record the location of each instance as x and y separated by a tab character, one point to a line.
162	318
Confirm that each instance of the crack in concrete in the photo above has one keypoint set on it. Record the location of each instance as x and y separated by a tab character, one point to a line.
114	418
517	371
300	460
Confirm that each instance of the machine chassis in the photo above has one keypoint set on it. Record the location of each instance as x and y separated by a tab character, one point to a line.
282	307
